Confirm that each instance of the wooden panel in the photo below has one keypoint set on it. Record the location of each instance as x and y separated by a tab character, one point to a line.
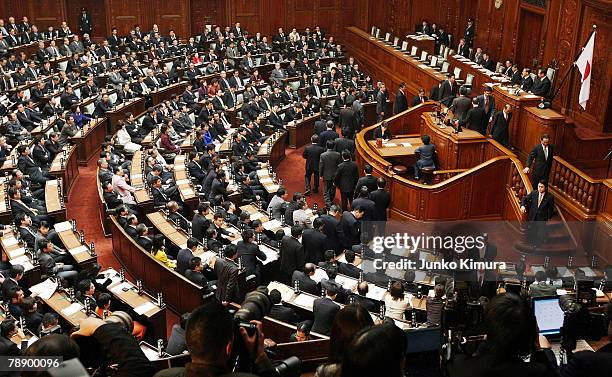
172	15
96	10
530	37
44	12
124	15
206	12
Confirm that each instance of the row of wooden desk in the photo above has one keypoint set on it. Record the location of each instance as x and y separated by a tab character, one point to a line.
65	167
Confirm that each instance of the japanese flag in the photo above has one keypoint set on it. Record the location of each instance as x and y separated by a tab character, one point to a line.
585	65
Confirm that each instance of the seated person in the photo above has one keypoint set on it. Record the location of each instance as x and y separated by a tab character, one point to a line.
426	155
176	342
158	250
396	302
103	311
280	312
382	132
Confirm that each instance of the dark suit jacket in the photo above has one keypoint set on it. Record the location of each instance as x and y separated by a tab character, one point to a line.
460	107
348	230
324	311
8	348
347	176
328	164
291	256
499	128
382	201
368	304
250	252
526	83
327	135
343	143
312	154
320	126
227	280
349	270
283	313
541	165
182	260
401	103
368	207
331	231
542	87
378	134
417	100
476	119
542	213
368	181
446	94
315	244
306	283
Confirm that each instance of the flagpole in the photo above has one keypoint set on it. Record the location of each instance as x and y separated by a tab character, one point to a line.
572	66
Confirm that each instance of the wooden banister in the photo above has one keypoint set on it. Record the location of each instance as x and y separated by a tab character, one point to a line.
575	186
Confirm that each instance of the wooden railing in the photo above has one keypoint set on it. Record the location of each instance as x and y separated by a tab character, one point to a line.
575	187
443	175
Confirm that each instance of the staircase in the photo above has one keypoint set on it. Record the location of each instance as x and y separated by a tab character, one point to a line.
560	242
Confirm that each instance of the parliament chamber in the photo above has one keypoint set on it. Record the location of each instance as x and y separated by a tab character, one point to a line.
306	188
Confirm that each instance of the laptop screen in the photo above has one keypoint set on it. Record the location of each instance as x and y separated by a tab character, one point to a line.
548	315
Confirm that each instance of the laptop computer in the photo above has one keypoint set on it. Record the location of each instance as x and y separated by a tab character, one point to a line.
549	316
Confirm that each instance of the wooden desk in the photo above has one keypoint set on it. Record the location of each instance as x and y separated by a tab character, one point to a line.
390	65
174	234
505	95
81	252
180	294
141	195
400	147
135	106
54	200
143	305
422	43
89	139
273	149
301	131
462	150
269	184
184	183
65	166
71	312
15	253
160	95
534	123
481	75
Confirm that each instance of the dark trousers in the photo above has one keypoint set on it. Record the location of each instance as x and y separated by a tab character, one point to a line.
346	199
329	192
309	173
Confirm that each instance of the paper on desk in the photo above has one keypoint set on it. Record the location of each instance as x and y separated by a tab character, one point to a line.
117	289
564	272
73	308
598	292
231	230
142	309
266	180
187	192
531	96
33	339
182	181
10	241
63	226
285	291
44	290
78	250
406	145
561	292
256	216
319	275
389	145
272	224
273	188
304	301
20	260
271	254
16	253
537	268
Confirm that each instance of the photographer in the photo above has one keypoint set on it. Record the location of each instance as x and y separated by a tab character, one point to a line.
512	334
210	341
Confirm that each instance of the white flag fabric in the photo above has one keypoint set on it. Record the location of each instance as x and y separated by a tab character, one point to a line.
585	65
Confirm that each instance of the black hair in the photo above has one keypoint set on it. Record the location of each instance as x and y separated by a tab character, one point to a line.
208	331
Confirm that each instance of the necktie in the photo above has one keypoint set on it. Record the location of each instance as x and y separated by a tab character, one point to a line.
546	153
540	197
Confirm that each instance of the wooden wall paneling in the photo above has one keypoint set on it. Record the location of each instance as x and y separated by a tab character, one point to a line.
95	8
42	12
172	15
207	12
247	12
124	15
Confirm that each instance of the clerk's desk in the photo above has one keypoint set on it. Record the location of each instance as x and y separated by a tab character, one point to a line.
462	150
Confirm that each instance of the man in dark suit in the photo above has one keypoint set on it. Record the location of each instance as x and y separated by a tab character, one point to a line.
305	282
381	103
542	157
420	98
346	178
526	80
499	126
349	232
542	86
448	90
250	254
329	134
321	124
325	310
280	312
328	165
539	206
361	299
226	271
315	241
461	105
8	329
344	144
312	155
348	268
476	118
382	132
401	102
291	255
487	102
362	200
367	180
183	258
381	199
330	220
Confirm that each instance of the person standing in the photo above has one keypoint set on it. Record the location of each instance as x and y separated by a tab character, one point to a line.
328	166
542	157
499	126
346	179
312	155
401	102
539	206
